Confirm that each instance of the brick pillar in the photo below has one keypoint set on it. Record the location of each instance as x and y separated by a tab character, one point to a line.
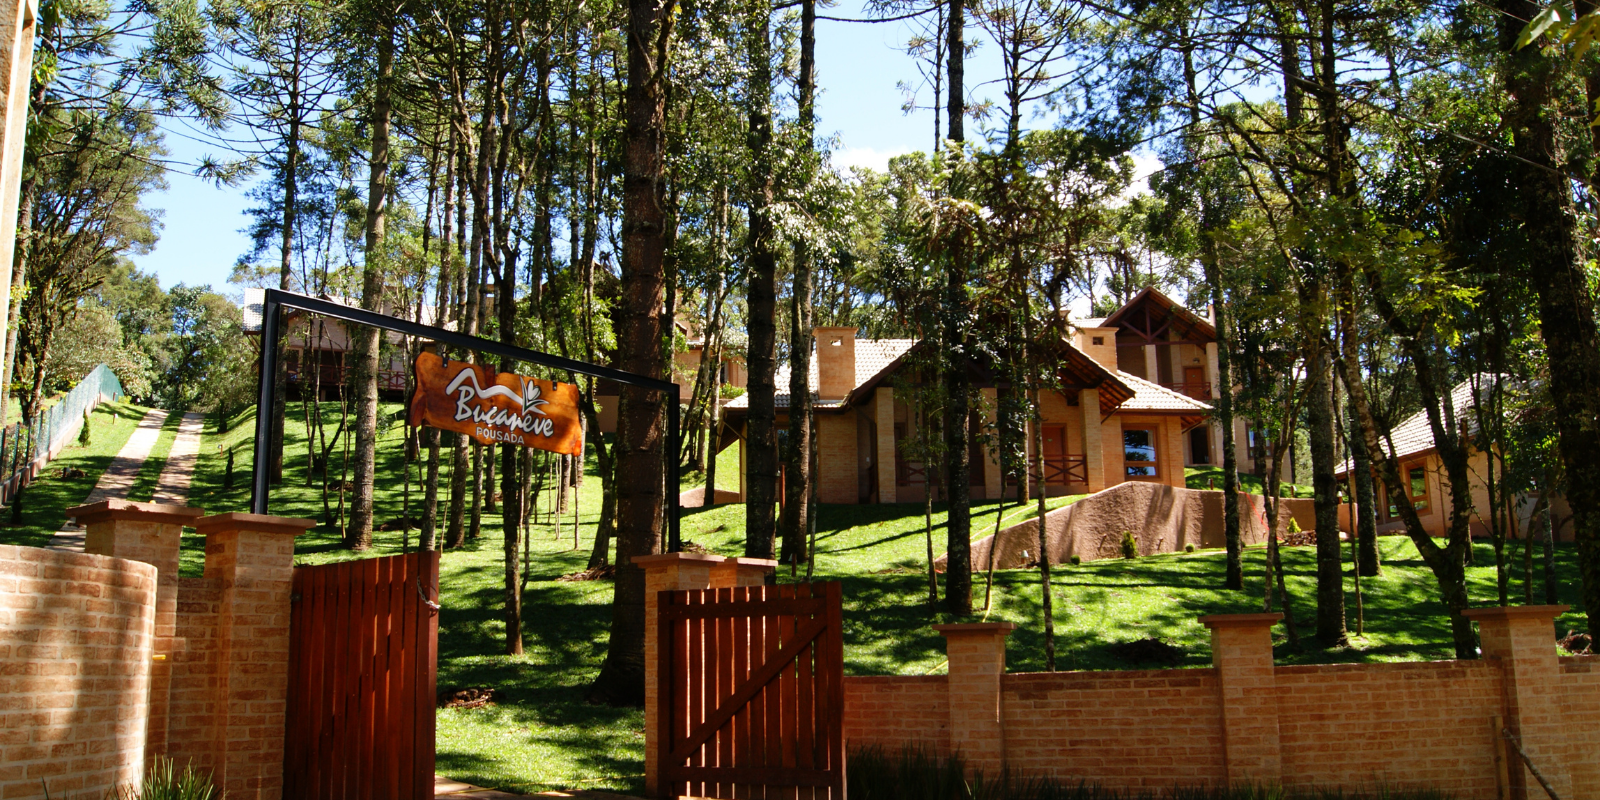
886	446
1094	456
1241	651
1522	639
670	572
147	532
252	558
977	653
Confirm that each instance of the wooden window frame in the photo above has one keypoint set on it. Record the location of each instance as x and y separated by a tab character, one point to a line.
1155	466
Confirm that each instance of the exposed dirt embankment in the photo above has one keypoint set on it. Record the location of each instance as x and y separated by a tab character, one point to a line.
1161	518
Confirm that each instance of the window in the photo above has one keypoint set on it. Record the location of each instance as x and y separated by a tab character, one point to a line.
1099	340
1417	486
1139	453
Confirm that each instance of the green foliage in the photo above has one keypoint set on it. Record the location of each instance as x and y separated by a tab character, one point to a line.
163	781
206	361
1130	545
1188	548
86	433
1294	525
1075	560
92	336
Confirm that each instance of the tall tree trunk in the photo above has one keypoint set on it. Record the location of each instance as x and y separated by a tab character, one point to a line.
640	468
958	527
1211	262
1555	267
762	461
797	463
365	343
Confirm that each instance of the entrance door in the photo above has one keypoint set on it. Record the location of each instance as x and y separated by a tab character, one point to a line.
1200	445
1055	454
363	646
1194	383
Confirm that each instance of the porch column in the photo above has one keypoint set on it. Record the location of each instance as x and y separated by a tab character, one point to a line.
252	558
148	532
1241	650
1522	639
1094	457
1152	369
886	445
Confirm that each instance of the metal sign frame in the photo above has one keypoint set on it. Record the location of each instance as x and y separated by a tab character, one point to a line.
278	299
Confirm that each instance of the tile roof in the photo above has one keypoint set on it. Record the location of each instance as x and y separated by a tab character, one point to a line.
1149	396
872	357
1415	435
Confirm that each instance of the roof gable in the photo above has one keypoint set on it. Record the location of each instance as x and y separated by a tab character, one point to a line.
1150	315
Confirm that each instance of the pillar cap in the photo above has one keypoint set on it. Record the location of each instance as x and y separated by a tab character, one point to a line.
260	523
118	509
958	628
703	558
1514	612
1215	621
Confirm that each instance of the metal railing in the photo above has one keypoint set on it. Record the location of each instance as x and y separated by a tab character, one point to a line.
26	448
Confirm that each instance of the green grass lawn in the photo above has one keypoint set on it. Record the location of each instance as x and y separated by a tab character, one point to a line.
539	734
44	503
1211	478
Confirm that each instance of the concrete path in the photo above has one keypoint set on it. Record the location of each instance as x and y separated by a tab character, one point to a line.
444	787
173	487
119	476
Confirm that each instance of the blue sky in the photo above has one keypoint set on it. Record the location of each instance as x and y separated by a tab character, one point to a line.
859	68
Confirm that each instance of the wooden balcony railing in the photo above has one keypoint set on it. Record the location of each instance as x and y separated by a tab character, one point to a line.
1198	391
332	376
1067	469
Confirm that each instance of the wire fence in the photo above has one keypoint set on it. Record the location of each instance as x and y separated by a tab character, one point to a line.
25	449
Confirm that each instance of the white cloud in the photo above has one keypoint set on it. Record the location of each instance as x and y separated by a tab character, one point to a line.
845	158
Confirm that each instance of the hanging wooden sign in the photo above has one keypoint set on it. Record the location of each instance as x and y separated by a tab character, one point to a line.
496	407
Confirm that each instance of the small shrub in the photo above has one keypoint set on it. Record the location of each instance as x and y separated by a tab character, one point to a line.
86	433
1188	548
1075	561
1294	526
165	782
1130	545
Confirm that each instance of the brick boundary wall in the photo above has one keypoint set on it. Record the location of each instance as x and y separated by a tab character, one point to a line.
193	669
76	637
1244	720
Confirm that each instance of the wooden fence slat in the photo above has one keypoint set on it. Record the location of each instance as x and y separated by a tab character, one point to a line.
382	769
428	677
404	737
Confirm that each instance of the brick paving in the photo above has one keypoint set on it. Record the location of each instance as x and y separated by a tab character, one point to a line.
119	476
173	487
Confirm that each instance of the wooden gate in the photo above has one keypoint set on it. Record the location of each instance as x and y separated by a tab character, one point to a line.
752	695
363	643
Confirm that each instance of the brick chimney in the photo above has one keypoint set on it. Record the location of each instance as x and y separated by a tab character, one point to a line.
1100	344
836	362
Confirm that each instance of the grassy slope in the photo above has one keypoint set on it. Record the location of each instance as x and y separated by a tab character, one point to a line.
1211	478
44	503
539	734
